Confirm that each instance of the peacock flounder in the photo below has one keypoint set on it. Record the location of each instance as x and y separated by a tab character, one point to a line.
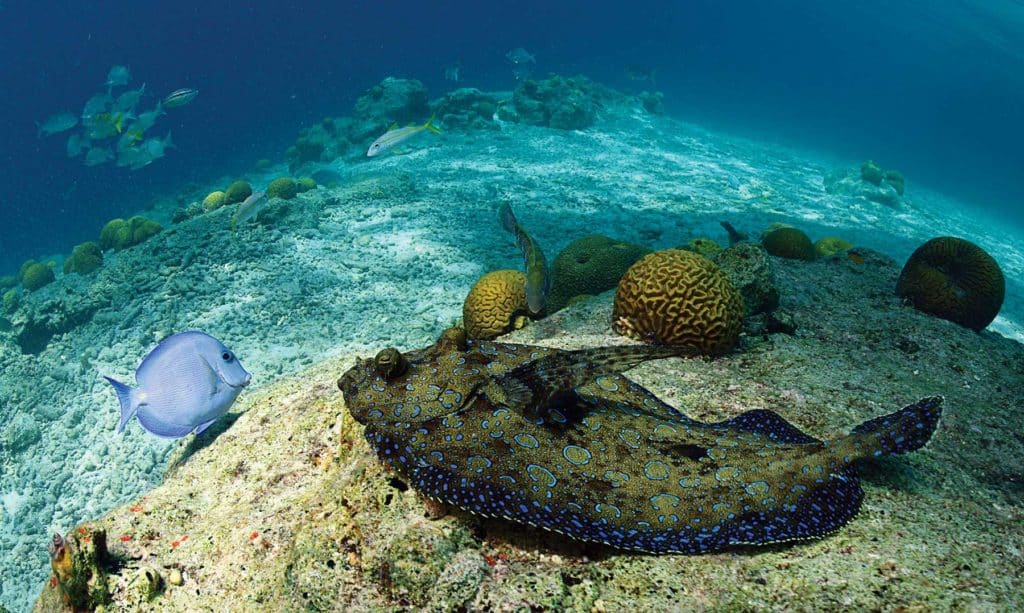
563	441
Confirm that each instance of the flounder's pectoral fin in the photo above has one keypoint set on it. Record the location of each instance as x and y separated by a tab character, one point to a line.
770	424
904	431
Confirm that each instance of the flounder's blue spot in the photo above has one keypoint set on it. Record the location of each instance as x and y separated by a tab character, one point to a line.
541	475
526	440
665	431
437	456
616	478
717	453
689	482
656	470
663	502
607	383
727	473
478	463
508	478
502	414
576	455
630	437
757	488
608	509
375	414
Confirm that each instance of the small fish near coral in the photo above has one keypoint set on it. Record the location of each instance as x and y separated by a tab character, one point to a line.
187	382
561	440
395	136
538	279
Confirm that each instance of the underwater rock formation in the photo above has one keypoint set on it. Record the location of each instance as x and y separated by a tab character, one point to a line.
954	279
467	108
679	298
750	269
565	103
391	101
84	259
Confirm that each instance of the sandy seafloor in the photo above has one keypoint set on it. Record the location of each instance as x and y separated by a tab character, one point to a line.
385	259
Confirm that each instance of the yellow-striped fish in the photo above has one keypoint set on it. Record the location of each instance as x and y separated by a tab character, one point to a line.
396	135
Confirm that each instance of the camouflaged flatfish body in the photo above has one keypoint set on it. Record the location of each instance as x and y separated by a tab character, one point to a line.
561	440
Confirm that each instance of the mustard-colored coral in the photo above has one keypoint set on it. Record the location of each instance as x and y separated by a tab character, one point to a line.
679	298
831	245
214	200
954	279
237	192
495	304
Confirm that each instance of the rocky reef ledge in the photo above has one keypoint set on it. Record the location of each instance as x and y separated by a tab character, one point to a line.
285	507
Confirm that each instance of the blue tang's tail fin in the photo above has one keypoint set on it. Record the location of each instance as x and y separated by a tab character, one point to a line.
128	404
904	431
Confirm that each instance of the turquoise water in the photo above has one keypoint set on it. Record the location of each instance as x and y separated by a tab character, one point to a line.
763	117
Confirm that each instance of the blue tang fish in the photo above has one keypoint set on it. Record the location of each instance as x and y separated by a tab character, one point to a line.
185	384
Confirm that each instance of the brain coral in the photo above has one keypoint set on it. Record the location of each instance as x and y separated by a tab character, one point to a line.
237	192
953	279
214	200
679	298
495	304
588	266
283	187
84	259
35	275
788	243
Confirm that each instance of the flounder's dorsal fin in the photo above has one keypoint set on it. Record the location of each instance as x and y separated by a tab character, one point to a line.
532	388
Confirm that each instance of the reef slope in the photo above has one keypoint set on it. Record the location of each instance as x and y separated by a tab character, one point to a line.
288	508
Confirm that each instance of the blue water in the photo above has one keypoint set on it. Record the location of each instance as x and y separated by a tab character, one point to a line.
932	88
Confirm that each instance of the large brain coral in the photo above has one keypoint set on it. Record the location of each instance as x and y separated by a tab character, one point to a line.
589	266
953	279
496	303
679	298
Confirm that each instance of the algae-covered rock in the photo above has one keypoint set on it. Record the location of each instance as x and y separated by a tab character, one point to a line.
400	101
467	107
566	103
750	269
20	433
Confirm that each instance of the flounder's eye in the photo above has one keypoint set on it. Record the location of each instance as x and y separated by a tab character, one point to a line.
226	356
390	363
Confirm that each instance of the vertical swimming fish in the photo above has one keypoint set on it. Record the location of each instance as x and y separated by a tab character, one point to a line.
538	279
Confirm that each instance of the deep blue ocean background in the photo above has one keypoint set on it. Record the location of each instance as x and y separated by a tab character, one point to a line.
935	89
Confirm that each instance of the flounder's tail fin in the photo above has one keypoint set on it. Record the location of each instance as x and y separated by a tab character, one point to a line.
904	431
125	397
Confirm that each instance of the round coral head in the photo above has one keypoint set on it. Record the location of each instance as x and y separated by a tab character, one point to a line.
679	298
954	279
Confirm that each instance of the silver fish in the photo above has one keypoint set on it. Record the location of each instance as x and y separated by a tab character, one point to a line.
248	208
180	97
396	135
186	383
57	123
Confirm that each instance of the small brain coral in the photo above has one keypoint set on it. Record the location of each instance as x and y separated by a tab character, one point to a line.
678	298
495	304
589	266
954	279
214	200
283	187
84	259
35	275
120	234
788	243
237	192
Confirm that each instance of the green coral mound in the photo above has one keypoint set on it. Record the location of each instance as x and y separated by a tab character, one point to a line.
305	184
85	258
120	234
589	266
789	243
831	245
283	187
871	173
35	275
11	300
954	279
237	192
214	200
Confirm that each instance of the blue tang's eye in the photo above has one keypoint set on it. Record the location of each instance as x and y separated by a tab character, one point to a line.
227	357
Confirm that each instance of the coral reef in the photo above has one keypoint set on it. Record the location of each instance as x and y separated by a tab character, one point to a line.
790	243
282	187
702	246
495	304
119	234
11	300
35	323
213	201
237	192
588	266
565	103
954	279
831	245
750	269
871	173
679	298
467	108
391	101
35	275
305	184
84	259
868	181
